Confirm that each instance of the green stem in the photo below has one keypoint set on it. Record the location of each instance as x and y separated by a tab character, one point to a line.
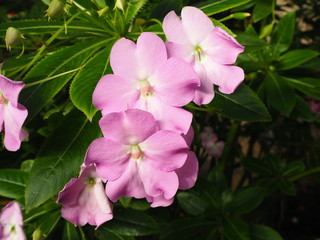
48	42
304	174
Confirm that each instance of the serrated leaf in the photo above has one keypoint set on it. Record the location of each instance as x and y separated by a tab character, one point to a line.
133	8
309	86
280	94
235	228
60	158
261	232
59	67
282	35
212	7
295	58
85	81
191	203
242	105
12	183
262	9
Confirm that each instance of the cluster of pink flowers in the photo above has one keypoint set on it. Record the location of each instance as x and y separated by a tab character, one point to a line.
209	141
144	151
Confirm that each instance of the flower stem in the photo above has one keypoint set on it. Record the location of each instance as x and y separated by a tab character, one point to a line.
304	174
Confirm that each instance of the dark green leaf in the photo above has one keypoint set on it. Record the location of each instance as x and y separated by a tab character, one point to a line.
106	234
86	80
294	168
295	58
218	180
70	232
133	8
262	9
302	110
217	23
250	42
60	158
280	94
47	222
235	228
139	204
164	7
125	201
248	199
309	86
255	165
26	165
287	187
211	7
272	184
191	203
283	33
12	183
242	105
261	232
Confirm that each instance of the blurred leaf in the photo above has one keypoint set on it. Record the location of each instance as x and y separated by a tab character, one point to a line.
280	94
218	180
26	165
217	23
242	105
256	166
133	8
130	222
235	228
295	58
262	9
164	7
60	158
294	168
210	7
139	204
309	86
106	234
12	183
250	42
302	110
261	232
85	81
47	222
125	201
271	183
248	199
287	187
191	203
70	232
283	33
186	229
266	30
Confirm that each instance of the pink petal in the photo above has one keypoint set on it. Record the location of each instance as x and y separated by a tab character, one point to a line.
123	59
130	127
165	150
69	194
188	173
10	89
176	82
1	116
11	215
151	52
221	47
111	158
196	24
173	28
188	137
114	94
14	118
227	77
128	185
160	201
157	182
185	52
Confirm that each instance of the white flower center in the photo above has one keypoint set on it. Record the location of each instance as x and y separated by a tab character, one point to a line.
145	89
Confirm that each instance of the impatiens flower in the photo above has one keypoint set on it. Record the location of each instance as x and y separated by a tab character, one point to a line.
144	78
11	223
209	49
136	158
12	114
210	142
314	105
84	199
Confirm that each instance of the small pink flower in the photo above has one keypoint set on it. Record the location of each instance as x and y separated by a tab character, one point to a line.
314	105
209	49
84	200
12	114
11	223
210	142
144	78
136	158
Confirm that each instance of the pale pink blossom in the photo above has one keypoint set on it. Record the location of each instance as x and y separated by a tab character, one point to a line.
84	200
11	223
136	158
209	141
12	114
144	78
209	49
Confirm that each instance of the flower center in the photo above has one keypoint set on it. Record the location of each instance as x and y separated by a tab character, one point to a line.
199	53
145	88
2	98
91	181
136	153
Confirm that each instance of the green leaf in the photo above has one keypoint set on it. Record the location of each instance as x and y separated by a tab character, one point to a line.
256	165
133	8
287	187
242	105
219	24
248	199
12	183
139	204
250	42
283	33
262	9
85	81
47	222
294	168
218	180
280	94
309	86
186	229
261	232
302	110
235	228
295	58
106	234
191	203
130	222
59	67
60	158
70	232
211	7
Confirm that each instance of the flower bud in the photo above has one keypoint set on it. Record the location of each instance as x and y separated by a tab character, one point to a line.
13	37
241	15
56	8
121	4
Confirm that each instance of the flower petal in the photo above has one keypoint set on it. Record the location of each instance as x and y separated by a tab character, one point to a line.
11	215
172	27
188	137
69	194
185	52
10	89
160	201
188	173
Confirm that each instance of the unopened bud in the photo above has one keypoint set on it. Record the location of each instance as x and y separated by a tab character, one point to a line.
13	37
121	4
56	8
241	15
103	11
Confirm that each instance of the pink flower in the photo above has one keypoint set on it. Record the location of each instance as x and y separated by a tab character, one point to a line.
314	105
209	49
12	114
210	142
136	158
144	78
11	223
84	200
